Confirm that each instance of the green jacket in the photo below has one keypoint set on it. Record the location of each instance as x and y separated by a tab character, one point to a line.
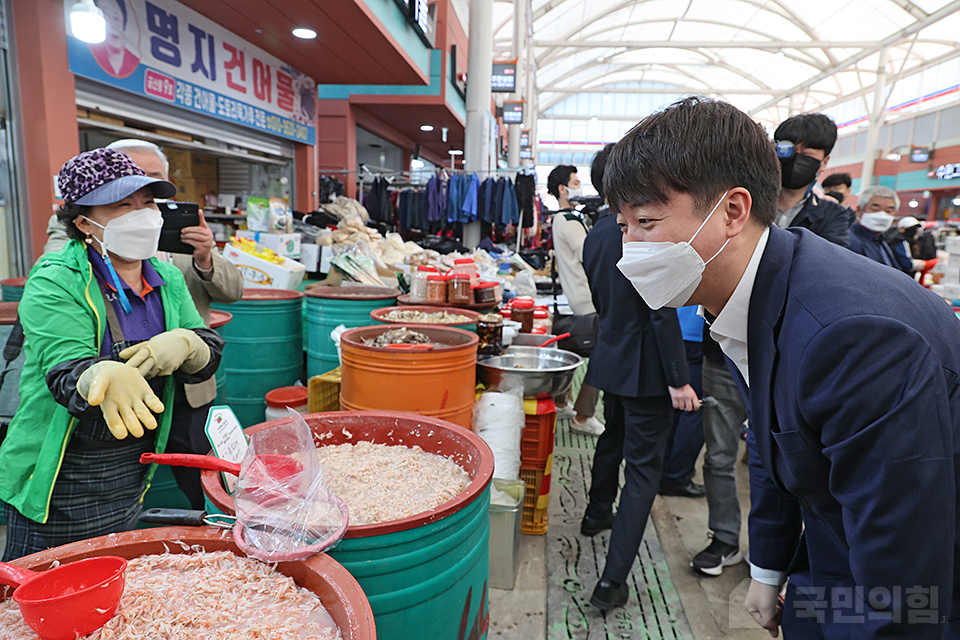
63	317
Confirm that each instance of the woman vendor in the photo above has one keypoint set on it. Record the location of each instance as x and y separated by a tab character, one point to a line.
106	327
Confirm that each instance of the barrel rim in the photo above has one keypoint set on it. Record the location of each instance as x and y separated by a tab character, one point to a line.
377	314
270	295
353	293
18	281
472	340
9	312
479	481
219	318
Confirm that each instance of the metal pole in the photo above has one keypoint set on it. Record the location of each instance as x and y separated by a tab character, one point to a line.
479	69
519	40
876	120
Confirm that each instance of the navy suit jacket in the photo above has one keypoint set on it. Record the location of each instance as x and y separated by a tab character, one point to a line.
826	218
871	245
855	414
639	352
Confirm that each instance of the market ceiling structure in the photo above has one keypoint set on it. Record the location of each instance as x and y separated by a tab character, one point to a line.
770	58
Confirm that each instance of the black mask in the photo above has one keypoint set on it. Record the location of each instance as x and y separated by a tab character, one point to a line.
911	233
799	170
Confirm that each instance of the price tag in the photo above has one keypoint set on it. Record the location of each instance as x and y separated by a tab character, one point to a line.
227	438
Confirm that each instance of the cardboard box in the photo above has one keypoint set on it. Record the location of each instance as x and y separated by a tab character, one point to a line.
189	166
285	244
195	190
953	245
261	274
310	256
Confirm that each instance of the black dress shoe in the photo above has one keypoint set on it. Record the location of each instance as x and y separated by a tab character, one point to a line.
689	490
609	595
592	526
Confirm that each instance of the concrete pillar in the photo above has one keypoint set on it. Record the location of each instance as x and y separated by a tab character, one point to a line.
876	120
48	101
519	49
479	69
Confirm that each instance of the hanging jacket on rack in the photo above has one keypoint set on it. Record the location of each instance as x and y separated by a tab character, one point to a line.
526	188
435	202
510	212
468	210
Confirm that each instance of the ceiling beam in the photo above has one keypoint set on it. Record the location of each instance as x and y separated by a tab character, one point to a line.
903	34
708	44
678	90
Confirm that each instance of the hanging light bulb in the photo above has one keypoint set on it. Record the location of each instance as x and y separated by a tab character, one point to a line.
87	23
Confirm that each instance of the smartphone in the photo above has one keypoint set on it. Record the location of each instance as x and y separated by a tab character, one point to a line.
177	216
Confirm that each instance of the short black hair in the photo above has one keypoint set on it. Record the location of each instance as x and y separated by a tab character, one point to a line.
69	212
697	146
835	179
813	130
123	10
597	167
559	176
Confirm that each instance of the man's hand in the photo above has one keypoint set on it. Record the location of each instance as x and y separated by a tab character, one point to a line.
201	239
765	605
684	398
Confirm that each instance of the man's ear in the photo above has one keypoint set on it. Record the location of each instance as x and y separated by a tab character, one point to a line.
737	210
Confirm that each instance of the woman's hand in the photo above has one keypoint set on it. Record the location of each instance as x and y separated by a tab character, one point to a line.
684	398
166	352
123	396
763	602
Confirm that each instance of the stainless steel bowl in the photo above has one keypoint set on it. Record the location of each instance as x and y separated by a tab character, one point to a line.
540	370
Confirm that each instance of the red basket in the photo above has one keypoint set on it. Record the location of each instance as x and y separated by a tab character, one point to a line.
536	442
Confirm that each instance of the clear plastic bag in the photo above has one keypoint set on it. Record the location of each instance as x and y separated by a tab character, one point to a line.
498	418
285	509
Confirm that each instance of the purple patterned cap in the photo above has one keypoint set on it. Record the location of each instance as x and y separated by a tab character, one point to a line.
105	176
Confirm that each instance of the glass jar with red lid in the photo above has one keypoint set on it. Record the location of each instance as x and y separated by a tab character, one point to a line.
522	311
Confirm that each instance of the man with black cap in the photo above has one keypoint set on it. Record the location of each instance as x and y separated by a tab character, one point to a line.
803	144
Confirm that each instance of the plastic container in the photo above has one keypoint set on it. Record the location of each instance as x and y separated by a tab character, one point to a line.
278	400
505	532
486	293
263	350
339	592
533	517
541	318
522	311
425	576
436	289
327	308
490	333
439	383
458	289
11	289
505	267
324	392
418	283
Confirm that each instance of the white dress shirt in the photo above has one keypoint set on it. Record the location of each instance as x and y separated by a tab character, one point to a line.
729	329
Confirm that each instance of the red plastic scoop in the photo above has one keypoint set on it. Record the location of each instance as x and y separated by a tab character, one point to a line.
562	336
69	601
277	465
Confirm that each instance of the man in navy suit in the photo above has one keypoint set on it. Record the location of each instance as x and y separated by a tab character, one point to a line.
640	364
849	369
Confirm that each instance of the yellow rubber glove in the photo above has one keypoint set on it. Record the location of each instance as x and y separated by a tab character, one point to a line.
123	396
166	352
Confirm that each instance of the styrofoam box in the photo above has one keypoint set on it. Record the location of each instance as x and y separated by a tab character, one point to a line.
262	274
285	244
950	291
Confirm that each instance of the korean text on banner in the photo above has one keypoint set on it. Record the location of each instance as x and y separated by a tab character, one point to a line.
166	51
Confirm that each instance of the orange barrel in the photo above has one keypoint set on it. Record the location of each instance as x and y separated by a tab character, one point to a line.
425	576
326	308
439	383
339	592
11	289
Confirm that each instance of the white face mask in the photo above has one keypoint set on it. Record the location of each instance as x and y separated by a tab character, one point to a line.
574	193
666	274
134	235
876	221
